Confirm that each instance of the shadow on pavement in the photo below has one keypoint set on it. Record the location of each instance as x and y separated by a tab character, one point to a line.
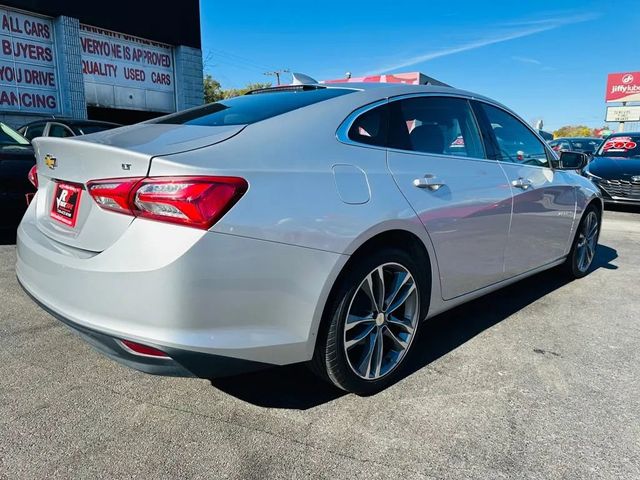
621	208
7	236
295	387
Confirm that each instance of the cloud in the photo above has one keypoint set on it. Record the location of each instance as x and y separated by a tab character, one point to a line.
533	61
524	28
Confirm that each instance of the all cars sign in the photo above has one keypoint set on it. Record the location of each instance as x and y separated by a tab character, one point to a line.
623	87
28	76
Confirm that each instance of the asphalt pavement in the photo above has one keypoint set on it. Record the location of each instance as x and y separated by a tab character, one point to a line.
539	380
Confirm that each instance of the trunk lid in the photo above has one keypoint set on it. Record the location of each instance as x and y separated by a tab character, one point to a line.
66	212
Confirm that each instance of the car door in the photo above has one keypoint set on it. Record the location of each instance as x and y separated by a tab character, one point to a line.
544	199
463	199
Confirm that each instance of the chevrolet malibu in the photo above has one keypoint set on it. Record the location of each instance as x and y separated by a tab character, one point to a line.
306	223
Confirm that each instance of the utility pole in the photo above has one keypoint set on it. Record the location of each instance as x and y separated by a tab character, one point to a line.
277	73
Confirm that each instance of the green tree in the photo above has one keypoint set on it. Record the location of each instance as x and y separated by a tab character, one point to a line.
214	92
572	131
236	92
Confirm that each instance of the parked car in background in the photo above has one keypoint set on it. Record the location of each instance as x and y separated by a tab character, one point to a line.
574	144
195	244
16	161
62	127
615	168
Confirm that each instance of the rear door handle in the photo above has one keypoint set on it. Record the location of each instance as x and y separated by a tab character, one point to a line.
523	183
428	181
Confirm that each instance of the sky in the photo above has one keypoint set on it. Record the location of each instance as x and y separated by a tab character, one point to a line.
545	60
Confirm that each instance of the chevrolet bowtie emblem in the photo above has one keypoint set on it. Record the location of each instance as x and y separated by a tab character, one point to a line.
50	161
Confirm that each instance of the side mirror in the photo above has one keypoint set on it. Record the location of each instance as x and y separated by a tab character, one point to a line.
572	161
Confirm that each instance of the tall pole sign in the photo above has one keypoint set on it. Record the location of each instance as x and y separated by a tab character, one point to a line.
624	88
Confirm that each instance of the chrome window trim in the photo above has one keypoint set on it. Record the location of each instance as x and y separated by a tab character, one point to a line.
342	133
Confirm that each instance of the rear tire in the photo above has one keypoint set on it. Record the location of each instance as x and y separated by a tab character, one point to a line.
585	243
371	321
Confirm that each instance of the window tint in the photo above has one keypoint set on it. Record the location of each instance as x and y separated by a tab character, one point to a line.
58	130
253	107
439	125
512	141
34	131
371	127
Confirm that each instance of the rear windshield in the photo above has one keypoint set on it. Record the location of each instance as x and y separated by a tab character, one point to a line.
253	107
588	145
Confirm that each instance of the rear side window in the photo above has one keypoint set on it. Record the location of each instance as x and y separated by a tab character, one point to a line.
34	131
253	107
437	125
371	127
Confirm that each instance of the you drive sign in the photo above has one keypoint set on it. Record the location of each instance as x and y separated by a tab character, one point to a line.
623	87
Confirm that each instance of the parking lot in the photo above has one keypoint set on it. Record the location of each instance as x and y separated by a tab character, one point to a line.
539	380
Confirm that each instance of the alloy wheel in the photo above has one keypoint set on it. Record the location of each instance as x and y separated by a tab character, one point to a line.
587	241
381	321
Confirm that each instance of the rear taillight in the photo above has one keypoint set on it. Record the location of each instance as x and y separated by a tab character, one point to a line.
194	201
33	176
114	194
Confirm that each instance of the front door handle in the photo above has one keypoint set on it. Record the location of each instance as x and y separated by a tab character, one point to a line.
523	183
428	181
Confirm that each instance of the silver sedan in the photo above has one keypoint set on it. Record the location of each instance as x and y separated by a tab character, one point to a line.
307	223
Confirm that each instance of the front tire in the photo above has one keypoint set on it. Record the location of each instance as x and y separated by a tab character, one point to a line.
584	246
371	321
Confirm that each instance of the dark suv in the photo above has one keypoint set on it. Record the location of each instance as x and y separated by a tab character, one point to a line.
63	127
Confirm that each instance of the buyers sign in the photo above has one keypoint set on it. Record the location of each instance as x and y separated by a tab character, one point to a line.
122	71
623	87
28	78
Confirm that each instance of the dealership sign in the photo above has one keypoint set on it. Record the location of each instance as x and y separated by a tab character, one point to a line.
122	71
623	114
623	87
28	77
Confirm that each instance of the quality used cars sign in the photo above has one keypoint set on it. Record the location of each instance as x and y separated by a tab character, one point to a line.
623	87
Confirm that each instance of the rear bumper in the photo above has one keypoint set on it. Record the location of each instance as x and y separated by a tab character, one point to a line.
182	363
217	304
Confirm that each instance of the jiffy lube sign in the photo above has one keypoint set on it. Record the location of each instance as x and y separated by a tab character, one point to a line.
623	87
28	76
123	71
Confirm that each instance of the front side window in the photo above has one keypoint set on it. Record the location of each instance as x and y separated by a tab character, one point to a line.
511	140
436	125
